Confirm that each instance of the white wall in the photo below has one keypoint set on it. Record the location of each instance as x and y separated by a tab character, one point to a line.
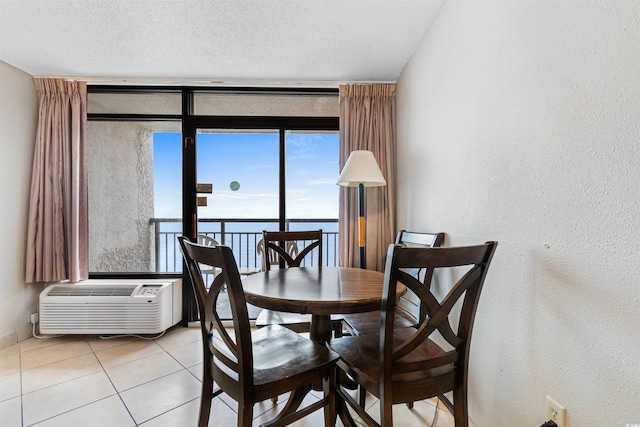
519	121
18	121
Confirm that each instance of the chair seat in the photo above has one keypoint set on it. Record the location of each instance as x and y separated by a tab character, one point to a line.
360	358
294	321
369	323
281	354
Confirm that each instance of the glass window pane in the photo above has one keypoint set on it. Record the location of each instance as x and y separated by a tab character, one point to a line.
134	103
243	169
311	105
125	158
312	171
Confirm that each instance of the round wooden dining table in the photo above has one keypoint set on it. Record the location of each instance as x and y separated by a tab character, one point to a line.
319	291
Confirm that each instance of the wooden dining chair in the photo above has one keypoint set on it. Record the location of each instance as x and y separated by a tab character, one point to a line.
410	364
307	243
271	257
409	311
252	366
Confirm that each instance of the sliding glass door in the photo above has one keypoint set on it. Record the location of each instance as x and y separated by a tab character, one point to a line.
238	178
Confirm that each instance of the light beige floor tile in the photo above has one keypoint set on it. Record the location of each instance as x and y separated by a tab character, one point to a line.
11	413
59	372
312	420
36	343
10	364
98	343
421	415
151	399
109	412
128	352
7	351
187	415
143	370
54	353
10	386
188	354
444	417
58	399
196	370
179	336
265	410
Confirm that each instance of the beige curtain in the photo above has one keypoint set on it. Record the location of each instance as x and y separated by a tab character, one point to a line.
368	122
57	235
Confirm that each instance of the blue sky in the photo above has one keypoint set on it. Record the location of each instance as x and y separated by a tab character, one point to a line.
251	159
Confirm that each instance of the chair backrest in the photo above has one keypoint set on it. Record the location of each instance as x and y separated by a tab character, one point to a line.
409	302
206	240
232	356
271	257
276	242
470	261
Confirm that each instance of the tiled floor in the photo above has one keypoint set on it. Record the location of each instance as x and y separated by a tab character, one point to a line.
88	381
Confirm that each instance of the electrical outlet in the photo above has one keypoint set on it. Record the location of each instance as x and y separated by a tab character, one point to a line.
34	318
556	412
30	313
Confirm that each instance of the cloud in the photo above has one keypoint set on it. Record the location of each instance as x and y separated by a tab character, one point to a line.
321	181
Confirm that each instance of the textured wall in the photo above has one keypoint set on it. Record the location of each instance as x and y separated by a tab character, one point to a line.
120	197
18	122
520	122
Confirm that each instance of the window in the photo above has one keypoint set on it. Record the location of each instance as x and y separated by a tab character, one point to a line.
270	158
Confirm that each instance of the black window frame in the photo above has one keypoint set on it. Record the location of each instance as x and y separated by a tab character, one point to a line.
190	123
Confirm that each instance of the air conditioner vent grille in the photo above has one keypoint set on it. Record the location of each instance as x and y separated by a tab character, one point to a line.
95	291
110	306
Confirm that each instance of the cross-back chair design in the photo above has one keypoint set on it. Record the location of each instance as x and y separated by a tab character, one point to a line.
271	257
252	366
409	312
276	243
409	364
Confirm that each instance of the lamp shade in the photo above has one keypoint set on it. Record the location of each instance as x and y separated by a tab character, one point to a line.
361	168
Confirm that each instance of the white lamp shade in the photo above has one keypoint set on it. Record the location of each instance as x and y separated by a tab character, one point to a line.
361	168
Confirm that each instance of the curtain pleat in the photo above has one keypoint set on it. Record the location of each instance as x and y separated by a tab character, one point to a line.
57	231
367	122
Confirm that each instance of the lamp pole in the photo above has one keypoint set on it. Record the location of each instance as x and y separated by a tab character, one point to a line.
363	261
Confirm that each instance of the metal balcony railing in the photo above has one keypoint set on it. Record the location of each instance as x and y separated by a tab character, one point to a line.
242	235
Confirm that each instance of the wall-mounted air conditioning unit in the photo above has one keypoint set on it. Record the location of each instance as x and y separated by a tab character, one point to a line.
111	307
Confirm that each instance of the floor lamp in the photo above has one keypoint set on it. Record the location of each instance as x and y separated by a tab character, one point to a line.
361	170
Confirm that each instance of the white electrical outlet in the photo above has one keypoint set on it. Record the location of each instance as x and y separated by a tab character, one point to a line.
556	412
30	313
34	318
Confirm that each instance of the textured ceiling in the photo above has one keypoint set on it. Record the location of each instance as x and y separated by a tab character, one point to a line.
312	42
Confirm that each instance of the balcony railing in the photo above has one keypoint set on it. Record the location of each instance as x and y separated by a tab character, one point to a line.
242	235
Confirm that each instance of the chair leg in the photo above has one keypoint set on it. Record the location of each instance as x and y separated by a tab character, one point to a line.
337	328
343	411
329	389
362	396
245	414
386	412
460	408
205	401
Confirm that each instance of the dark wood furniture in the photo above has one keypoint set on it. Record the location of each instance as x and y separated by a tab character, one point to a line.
319	291
405	365
409	311
278	249
251	367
